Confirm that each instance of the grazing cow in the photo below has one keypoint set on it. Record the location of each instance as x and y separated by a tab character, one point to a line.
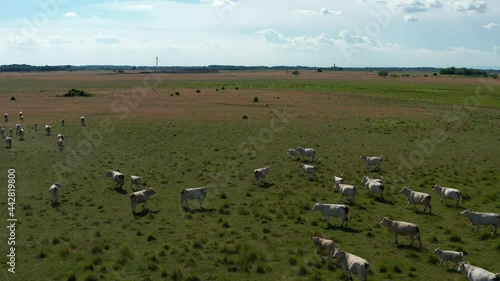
346	190
448	193
2	132
141	197
415	197
60	137
374	185
6	117
403	228
447	256
334	210
322	245
193	193
293	152
480	218
309	152
338	179
21	118
60	143
372	161
48	130
62	122
21	134
36	126
137	181
117	177
54	192
260	174
82	121
8	142
21	114
352	263
18	128
308	169
476	273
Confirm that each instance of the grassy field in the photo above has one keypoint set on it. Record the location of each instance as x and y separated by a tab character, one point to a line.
431	130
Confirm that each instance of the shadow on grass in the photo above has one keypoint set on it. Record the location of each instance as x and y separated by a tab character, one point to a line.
342	228
415	247
195	211
144	212
267	185
120	190
55	204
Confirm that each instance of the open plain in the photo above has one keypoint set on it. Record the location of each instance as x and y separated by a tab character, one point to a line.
189	130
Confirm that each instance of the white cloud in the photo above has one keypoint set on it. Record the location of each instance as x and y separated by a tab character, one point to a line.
414	6
322	11
57	40
222	3
491	25
105	38
70	15
469	6
411	18
137	7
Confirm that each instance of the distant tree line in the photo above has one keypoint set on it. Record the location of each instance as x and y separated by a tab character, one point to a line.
463	71
29	68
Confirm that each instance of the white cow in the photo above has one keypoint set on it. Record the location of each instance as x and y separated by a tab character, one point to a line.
260	174
6	117
346	190
21	134
307	169
54	192
322	245
352	263
137	181
447	256
8	142
141	197
309	152
60	143
82	121
48	130
415	197
334	210
338	179
60	137
448	193
372	161
21	114
21	118
480	218
193	193
293	152
374	185
403	228
476	273
117	177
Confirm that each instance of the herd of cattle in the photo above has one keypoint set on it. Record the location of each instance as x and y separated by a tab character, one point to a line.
349	262
355	264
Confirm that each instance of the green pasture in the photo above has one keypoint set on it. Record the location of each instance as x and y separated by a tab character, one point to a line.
247	232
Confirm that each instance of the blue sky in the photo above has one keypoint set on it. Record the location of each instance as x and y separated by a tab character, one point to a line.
356	33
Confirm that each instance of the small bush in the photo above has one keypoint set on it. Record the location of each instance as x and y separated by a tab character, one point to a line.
319	70
223	196
77	93
198	91
455	238
255	99
245	117
12	98
177	93
151	238
236	88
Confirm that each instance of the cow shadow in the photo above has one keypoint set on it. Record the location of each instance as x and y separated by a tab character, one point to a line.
267	185
347	229
120	190
415	247
144	212
196	211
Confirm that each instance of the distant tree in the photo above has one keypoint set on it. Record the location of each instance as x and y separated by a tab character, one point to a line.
383	73
319	70
295	72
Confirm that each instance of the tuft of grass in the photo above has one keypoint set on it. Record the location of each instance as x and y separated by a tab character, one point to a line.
455	238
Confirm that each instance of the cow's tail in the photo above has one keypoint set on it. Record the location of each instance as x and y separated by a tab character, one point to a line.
460	197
